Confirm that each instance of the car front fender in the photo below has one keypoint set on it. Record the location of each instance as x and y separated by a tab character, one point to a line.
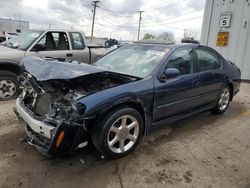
138	94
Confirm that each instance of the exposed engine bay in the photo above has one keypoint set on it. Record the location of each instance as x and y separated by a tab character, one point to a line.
50	107
58	98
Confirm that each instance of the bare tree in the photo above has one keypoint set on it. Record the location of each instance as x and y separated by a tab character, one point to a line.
190	34
166	36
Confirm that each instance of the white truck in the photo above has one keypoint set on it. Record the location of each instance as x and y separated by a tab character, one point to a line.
45	44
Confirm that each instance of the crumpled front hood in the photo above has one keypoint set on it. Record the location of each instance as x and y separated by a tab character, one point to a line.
44	70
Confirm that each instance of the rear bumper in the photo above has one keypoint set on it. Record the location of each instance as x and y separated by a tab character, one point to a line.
45	137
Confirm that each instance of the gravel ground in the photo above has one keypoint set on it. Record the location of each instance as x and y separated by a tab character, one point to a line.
201	151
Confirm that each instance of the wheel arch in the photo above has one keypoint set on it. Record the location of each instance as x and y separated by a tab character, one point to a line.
231	87
135	104
11	66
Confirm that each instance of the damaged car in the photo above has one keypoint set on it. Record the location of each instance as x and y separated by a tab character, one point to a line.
121	97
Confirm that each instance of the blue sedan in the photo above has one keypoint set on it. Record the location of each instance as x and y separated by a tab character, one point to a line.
121	97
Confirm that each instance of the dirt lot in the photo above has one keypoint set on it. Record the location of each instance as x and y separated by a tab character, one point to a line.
202	151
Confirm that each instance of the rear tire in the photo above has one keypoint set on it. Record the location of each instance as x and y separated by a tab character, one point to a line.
118	133
223	100
9	85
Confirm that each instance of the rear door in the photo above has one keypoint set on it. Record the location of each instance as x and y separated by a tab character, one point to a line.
209	66
181	94
52	44
79	50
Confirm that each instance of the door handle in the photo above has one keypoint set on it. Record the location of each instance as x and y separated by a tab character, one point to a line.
69	55
196	82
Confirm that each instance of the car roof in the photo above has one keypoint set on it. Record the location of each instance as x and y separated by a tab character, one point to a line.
55	30
167	44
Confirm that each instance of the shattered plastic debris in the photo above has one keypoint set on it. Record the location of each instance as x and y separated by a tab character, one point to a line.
24	139
82	161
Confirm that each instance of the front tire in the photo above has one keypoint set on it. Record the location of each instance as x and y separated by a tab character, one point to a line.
118	133
9	85
223	100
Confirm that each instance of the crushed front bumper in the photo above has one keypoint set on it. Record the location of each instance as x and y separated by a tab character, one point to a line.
45	137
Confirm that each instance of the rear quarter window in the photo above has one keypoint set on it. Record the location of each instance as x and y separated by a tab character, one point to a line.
207	60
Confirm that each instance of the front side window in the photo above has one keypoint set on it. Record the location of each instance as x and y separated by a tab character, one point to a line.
183	61
207	60
76	40
54	41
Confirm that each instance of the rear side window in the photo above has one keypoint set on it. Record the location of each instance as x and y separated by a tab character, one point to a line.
77	41
183	61
207	60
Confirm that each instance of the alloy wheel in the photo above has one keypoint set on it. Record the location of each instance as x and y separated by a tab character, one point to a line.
123	134
224	99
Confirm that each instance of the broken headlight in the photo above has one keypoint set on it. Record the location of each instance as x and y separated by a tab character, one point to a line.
79	108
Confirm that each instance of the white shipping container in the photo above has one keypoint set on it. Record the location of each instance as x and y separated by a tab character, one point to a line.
231	16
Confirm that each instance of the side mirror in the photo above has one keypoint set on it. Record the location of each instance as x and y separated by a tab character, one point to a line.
15	44
38	47
171	73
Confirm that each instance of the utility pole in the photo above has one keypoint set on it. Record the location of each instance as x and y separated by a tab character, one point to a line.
139	28
94	3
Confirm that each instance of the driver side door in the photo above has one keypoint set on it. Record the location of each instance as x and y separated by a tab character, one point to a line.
177	95
52	44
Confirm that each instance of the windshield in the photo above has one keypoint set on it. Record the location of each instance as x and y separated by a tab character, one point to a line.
23	41
135	60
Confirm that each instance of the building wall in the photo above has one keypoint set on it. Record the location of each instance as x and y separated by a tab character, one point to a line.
12	26
238	48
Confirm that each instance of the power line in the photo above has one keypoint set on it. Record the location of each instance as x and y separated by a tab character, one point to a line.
116	20
105	21
157	5
121	14
69	18
170	4
117	27
108	22
160	6
155	21
175	21
117	12
173	17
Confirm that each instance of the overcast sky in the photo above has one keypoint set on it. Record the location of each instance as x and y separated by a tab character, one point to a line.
118	18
